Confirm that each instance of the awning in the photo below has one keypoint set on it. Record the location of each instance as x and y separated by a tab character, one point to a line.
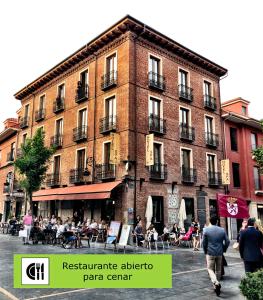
80	192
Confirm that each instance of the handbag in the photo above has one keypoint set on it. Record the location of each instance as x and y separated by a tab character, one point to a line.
236	246
22	233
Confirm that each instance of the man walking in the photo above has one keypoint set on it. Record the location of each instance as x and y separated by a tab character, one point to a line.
250	242
215	243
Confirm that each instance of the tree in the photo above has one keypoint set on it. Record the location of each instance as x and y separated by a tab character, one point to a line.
258	154
32	164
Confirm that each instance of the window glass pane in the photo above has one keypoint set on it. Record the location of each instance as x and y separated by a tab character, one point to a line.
253	141
257	178
233	139
236	175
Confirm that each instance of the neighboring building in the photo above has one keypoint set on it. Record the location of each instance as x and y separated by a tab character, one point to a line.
242	135
99	105
10	202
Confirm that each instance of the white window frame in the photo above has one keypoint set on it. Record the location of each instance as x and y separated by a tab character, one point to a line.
188	76
114	107
190	114
103	149
76	156
162	150
53	165
212	86
215	160
116	61
213	122
62	83
86	121
191	157
161	104
160	60
55	127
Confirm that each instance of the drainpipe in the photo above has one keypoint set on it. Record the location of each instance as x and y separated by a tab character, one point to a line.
94	122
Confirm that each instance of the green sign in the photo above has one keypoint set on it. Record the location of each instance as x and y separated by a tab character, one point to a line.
92	271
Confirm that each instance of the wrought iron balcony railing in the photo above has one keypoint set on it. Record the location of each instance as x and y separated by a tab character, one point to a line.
24	122
214	178
58	104
158	171
156	81
187	132
56	140
212	139
76	176
82	92
109	80
40	115
80	133
53	179
185	93
210	102
108	124
188	175
157	125
10	157
105	171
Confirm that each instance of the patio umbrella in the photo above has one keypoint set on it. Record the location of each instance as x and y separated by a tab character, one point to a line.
182	214
149	212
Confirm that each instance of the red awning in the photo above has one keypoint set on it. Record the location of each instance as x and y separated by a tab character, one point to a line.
81	192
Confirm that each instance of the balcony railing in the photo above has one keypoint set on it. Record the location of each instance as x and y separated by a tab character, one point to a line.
210	102
108	124
53	179
157	125
187	132
82	92
158	171
156	81
105	171
76	176
10	157
58	104
56	140
214	178
185	92
212	139
24	122
40	114
188	175
109	80
80	133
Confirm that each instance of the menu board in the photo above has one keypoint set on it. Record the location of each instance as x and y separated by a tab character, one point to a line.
113	231
125	232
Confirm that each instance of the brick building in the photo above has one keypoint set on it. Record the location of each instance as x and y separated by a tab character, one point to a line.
100	104
11	197
242	135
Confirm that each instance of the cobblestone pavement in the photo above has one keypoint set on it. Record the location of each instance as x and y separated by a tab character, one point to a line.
190	278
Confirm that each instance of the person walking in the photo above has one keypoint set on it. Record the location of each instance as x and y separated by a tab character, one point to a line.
250	243
215	243
27	223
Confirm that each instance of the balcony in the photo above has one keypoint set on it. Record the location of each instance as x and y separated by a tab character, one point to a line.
108	124
185	93
187	133
40	115
82	92
109	80
53	179
105	171
158	171
56	141
10	157
210	102
188	175
80	133
58	105
157	125
76	176
214	179
24	122
211	139
156	81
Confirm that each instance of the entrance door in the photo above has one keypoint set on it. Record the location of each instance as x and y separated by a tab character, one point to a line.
190	212
108	211
158	219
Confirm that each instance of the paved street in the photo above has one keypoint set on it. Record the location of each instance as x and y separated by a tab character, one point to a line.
190	279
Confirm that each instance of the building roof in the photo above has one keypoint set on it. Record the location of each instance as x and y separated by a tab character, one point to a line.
7	133
241	119
232	101
127	23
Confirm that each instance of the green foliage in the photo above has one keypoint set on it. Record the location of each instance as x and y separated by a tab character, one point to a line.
258	153
32	164
251	286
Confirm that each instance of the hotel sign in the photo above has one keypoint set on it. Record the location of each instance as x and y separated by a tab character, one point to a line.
115	149
149	150
225	171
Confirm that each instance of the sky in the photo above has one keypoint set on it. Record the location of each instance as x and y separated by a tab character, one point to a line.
36	35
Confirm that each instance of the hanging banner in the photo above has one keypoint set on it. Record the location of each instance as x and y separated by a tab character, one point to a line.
149	150
115	148
225	171
232	207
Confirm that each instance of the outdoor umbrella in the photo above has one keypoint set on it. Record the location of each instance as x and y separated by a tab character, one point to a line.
182	214
149	212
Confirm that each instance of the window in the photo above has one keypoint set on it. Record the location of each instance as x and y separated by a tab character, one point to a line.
157	153
106	158
233	139
183	78
154	65
209	124
110	107
253	140
56	165
186	159
84	78
81	159
236	175
26	111
155	107
257	178
82	118
244	110
59	127
111	63
41	102
184	116
207	88
61	91
24	138
12	153
211	166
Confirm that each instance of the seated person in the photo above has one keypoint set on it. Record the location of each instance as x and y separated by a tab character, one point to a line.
36	233
138	232
166	233
69	236
12	224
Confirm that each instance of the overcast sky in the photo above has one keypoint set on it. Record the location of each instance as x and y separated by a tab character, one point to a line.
36	35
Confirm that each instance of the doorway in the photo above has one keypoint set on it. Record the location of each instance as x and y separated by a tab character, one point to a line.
190	212
158	218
